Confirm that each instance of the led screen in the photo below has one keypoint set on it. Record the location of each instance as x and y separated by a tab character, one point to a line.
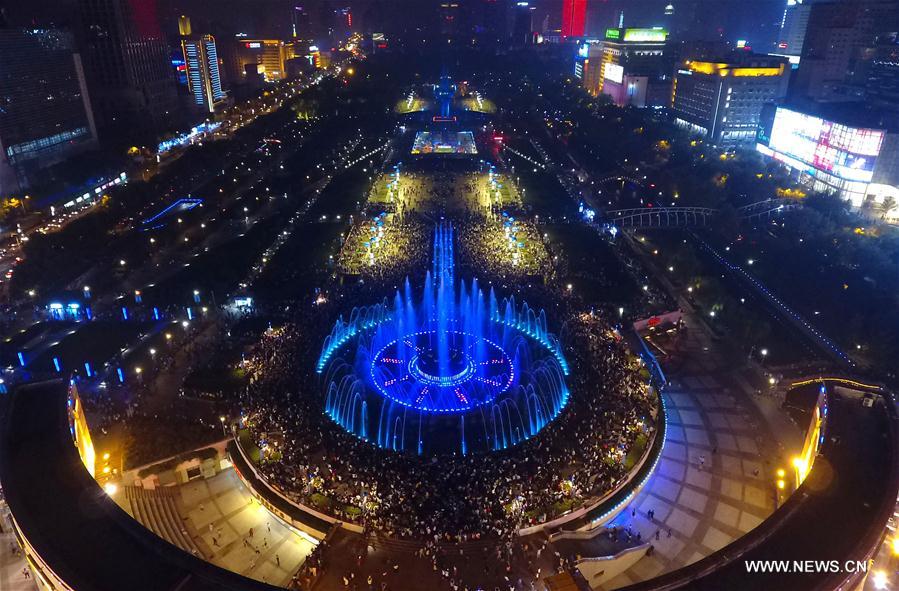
847	152
444	142
613	72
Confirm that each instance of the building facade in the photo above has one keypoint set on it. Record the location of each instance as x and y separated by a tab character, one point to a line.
833	153
793	27
574	18
203	78
128	67
45	111
882	74
265	56
635	67
588	66
723	100
836	51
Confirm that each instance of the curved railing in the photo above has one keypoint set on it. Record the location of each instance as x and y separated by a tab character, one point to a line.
72	532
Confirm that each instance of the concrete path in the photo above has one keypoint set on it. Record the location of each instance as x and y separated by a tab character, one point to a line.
222	508
12	560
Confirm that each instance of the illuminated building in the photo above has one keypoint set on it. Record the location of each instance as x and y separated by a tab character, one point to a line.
270	54
127	66
45	112
184	26
634	67
792	29
78	426
588	66
830	150
574	17
203	79
723	100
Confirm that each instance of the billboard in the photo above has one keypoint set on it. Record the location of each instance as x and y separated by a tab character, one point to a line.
645	35
846	152
613	72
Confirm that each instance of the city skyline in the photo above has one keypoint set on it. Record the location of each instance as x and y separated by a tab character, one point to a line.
402	295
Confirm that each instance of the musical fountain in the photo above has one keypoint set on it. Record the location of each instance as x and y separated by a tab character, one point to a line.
450	370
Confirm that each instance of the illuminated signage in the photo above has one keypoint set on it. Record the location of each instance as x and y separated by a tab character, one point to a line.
846	152
583	50
613	72
741	43
254	45
646	35
613	33
578	69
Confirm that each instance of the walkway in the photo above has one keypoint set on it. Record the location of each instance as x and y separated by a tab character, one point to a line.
715	481
222	510
12	559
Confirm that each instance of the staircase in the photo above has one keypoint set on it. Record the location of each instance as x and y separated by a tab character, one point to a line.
156	510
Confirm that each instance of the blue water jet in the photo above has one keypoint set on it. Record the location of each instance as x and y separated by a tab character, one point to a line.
454	371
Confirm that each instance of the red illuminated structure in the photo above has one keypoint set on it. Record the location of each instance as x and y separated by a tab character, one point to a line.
574	15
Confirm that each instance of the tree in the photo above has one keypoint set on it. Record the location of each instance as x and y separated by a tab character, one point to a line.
886	206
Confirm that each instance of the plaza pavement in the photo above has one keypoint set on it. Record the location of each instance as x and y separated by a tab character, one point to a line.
716	478
221	507
12	560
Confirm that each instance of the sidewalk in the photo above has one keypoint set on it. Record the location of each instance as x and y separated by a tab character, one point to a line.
12	559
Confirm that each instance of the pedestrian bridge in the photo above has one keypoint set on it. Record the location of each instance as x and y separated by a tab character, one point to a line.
696	217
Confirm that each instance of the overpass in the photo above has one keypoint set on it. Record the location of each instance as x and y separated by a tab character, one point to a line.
695	217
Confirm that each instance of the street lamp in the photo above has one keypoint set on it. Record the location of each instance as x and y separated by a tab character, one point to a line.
222	421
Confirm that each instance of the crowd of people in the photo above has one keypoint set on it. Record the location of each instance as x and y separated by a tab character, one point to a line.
386	253
440	191
575	459
504	249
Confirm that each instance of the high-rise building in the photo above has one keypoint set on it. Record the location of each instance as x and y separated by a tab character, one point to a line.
45	113
301	23
588	65
793	27
492	22
574	18
128	67
184	28
882	78
723	100
635	67
451	18
270	55
838	45
523	23
203	79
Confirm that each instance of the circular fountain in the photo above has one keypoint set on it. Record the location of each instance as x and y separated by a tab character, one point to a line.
450	370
